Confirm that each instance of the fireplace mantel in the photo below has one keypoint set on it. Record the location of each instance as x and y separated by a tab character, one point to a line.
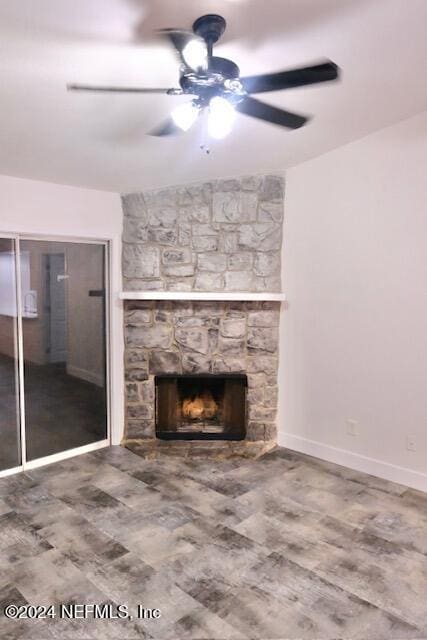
202	295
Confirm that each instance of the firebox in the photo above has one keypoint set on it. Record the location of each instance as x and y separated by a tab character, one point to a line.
201	407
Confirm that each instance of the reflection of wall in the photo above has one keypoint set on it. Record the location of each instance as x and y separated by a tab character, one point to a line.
8	300
85	313
34	329
7	287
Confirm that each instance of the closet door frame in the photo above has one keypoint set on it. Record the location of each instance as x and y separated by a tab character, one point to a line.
68	453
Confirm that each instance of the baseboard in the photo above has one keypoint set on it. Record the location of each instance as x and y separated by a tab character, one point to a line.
83	374
345	458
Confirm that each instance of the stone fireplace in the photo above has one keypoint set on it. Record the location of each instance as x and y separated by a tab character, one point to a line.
222	236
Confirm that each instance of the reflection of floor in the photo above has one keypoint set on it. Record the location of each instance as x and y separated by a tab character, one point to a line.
62	412
9	427
283	547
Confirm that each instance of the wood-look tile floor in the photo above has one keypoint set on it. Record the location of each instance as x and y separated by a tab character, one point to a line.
283	547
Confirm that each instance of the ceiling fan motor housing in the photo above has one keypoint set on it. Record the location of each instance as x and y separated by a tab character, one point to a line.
221	78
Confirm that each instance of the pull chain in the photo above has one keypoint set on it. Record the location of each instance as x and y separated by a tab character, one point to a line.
204	146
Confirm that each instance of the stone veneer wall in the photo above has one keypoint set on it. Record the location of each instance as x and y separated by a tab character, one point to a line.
218	236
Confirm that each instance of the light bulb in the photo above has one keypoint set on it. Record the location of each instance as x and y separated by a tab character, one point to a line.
195	54
221	117
185	115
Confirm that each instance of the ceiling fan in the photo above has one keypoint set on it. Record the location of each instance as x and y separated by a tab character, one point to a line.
217	86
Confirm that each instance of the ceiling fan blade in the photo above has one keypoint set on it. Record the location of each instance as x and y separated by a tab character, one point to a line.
197	58
323	72
88	87
252	107
167	128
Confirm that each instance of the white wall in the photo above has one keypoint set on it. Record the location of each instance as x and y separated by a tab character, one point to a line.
354	336
31	207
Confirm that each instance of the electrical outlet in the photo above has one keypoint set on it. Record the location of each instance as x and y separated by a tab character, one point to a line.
352	427
410	443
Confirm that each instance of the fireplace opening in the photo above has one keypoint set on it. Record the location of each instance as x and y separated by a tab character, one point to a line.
201	407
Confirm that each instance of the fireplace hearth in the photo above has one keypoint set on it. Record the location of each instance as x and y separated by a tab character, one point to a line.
201	407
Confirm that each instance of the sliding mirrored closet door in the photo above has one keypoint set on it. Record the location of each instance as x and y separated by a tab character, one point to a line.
10	443
64	345
53	350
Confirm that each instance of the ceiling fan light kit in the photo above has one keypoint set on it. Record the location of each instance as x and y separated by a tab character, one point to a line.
185	115
195	55
215	85
221	117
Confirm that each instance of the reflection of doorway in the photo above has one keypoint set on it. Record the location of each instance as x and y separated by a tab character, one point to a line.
56	307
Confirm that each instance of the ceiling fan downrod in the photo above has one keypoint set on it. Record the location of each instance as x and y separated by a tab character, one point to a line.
210	27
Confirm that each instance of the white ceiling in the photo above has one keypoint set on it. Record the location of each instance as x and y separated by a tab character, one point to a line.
99	141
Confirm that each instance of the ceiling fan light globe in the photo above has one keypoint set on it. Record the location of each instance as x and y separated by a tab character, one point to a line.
185	115
195	55
221	118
